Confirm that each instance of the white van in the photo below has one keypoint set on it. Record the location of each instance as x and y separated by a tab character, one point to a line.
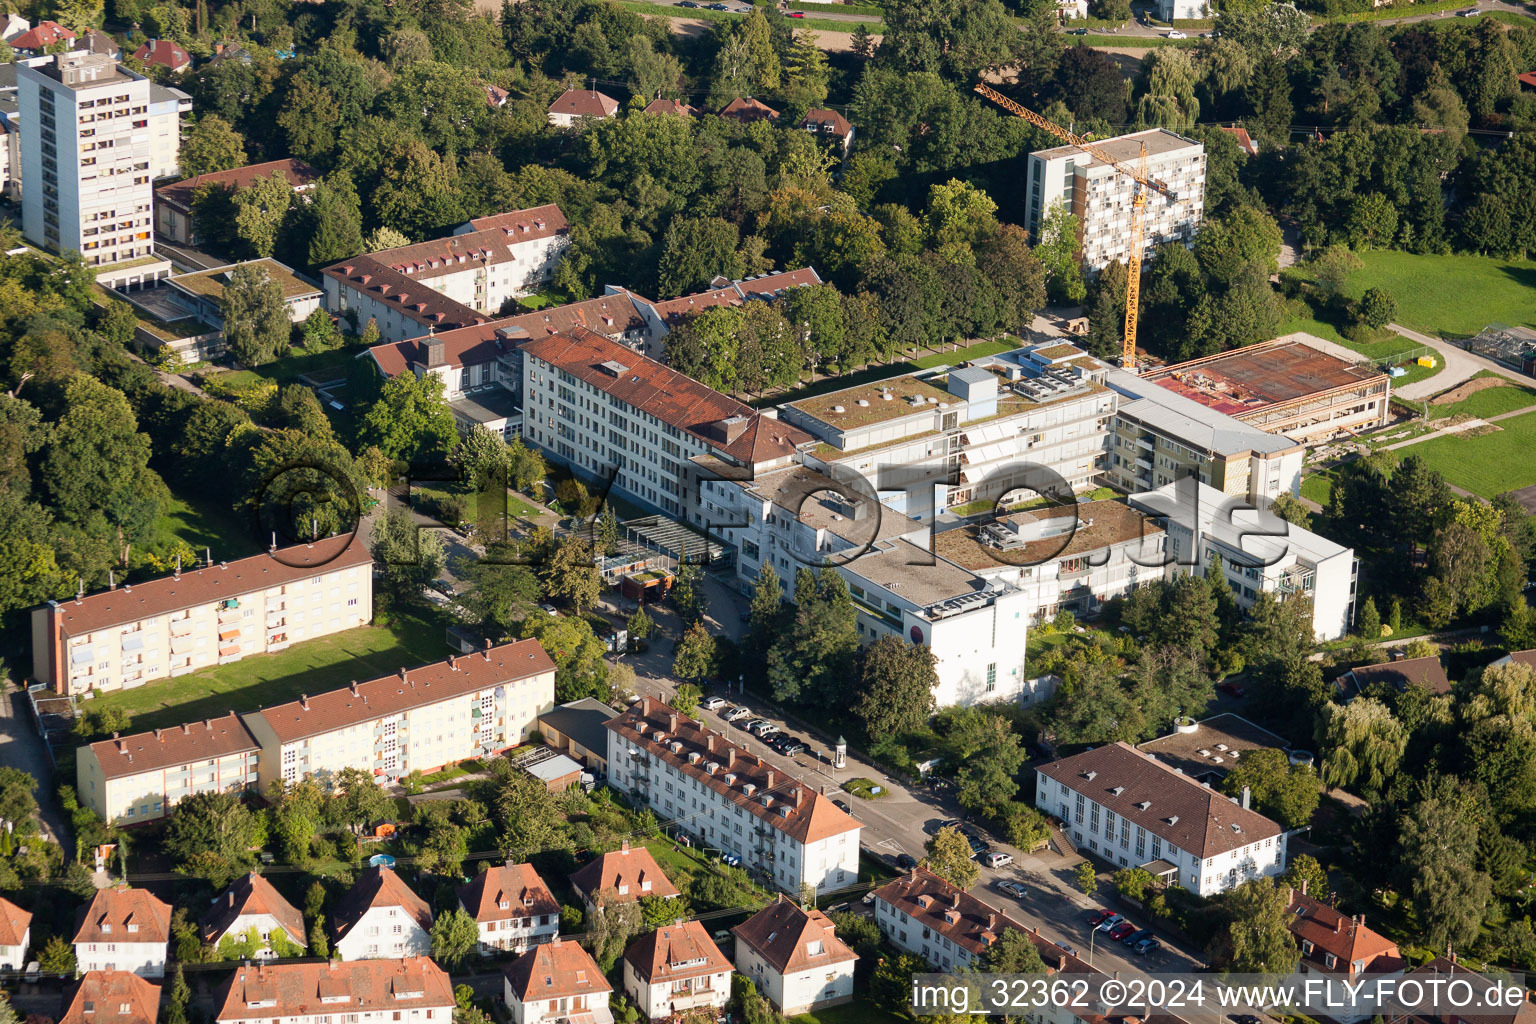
998	859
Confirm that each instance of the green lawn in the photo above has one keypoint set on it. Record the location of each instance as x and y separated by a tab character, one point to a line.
1489	464
1318	487
1417	373
203	523
314	666
860	1011
1488	402
705	14
1451	296
323	365
1375	351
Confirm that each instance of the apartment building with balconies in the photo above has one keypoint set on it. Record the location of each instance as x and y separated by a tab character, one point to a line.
472	705
1258	552
214	614
129	779
731	800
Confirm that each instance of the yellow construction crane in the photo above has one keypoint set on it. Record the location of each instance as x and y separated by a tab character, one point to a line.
1137	174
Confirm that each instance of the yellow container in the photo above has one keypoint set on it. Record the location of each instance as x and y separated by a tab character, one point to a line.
1428	361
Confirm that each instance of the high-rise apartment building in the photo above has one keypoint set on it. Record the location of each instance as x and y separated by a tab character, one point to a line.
86	155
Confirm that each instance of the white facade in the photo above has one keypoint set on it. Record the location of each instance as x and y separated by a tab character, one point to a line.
1181	10
141	777
797	992
559	981
264	925
14	958
661	1000
1260	552
166	107
384	933
146	959
1100	196
88	156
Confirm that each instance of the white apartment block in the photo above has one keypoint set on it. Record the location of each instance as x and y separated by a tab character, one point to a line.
408	991
15	936
136	778
1131	810
555	982
381	918
123	929
795	958
166	107
213	615
948	927
1260	552
88	156
1031	419
512	907
468	706
675	969
1100	196
731	800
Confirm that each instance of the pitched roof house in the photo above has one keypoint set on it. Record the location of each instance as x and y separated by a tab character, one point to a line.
41	36
97	41
829	124
123	929
919	909
164	53
1338	944
558	980
574	104
252	903
380	917
746	110
512	907
625	875
311	992
661	106
1399	674
15	935
795	957
112	997
675	968
173	202
13	25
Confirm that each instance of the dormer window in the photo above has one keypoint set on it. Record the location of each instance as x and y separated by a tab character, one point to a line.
1331	960
106	928
814	948
624	890
133	927
645	886
1306	947
504	905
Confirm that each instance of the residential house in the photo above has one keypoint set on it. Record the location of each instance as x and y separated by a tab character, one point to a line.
747	110
662	317
252	907
828	124
555	982
123	929
1341	949
1245	141
678	107
577	729
496	97
36	40
418	719
624	875
948	927
1526	658
731	799
99	42
13	25
129	779
15	936
112	997
175	218
163	53
1399	674
1183	10
573	105
795	958
413	990
512	907
1440	973
380	918
674	969
1134	811
214	614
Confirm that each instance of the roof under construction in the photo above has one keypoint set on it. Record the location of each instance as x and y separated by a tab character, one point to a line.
1248	380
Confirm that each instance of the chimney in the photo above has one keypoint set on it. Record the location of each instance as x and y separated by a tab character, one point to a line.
624	846
111	580
1247	796
176	573
1303	886
709	743
186	730
1061	962
672	722
304	701
486	652
1338	925
272	547
157	736
645	707
991	922
730	758
799	797
402	673
353	687
768	782
451	666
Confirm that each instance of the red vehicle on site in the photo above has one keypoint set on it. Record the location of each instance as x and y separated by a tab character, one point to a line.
1122	930
1097	917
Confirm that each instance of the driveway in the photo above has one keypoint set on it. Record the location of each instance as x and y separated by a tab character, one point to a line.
21	746
1460	365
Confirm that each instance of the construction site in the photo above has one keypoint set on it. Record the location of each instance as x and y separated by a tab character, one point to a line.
1286	386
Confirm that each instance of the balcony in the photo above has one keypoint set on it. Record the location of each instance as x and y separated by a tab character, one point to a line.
697	997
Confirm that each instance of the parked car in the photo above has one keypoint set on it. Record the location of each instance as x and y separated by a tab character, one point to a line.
786	745
686	3
1137	936
1111	922
762	728
548	609
737	713
1066	948
797	14
1121	930
1012	888
997	859
1176	34
718	7
443	587
1098	917
1077	32
1231	689
1146	946
713	703
869	897
1470	12
906	862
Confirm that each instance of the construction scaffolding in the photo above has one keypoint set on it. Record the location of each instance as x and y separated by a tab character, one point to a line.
1515	347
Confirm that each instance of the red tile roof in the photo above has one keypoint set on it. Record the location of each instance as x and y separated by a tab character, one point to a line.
516	885
628	866
827	119
791	939
748	781
490	241
356	986
1427	671
112	912
1442	969
42	35
14	923
379	887
112	997
1151	794
660	106
555	970
1244	140
179	193
164	53
251	896
584	103
416	300
715	419
169	748
955	913
523	225
1527	78
390	695
193	587
764	286
1342	935
657	957
746	110
468	346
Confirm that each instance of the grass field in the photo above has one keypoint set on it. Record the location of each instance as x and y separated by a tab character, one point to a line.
1417	373
1488	464
1376	351
1488	402
1452	296
207	524
705	14
1318	487
860	1011
313	666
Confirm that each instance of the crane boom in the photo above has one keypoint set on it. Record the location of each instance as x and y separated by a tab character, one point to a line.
1143	181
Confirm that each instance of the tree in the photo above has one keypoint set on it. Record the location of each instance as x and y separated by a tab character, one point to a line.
58	956
455	939
525	812
688	593
950	857
611	926
333	221
358	800
17	803
1435	835
812	659
895	689
1014	953
571	575
1106	317
1167	90
1087	878
1364	744
1060	255
861	44
181	995
608	531
256	323
410	420
297	813
694	657
1289	793
1258	939
95	464
1377	308
1368	622
695	250
260	209
211	144
409	558
686	700
989	754
957	40
385	238
210	835
577	652
1304	874
1288	507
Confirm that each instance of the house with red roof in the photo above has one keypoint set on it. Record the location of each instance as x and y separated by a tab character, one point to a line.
411	990
625	875
574	106
163	53
794	956
747	110
123	929
828	124
252	907
174	215
41	36
675	969
381	918
556	982
678	107
15	936
112	997
1343	951
512	907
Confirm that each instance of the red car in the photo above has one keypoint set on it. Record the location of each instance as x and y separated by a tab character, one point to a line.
797	14
1231	689
1098	916
1122	930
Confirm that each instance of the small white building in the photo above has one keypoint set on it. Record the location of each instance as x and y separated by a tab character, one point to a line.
123	929
13	25
1260	552
512	907
556	981
381	918
795	958
573	106
406	991
674	969
15	936
1184	10
1134	811
250	905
